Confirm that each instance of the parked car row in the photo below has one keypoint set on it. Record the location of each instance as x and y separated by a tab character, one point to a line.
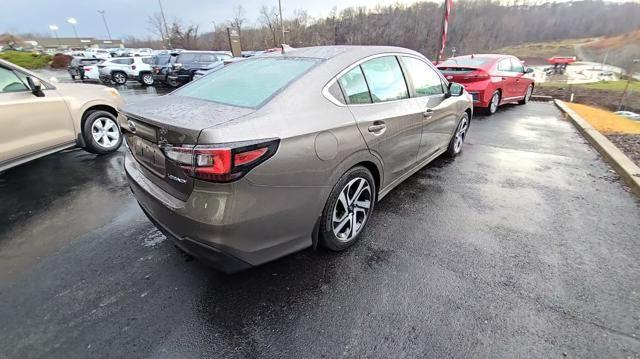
172	69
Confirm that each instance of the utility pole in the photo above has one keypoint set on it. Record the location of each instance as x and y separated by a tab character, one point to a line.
281	20
626	87
104	20
164	21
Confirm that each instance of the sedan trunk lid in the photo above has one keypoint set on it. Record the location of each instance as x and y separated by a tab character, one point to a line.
173	120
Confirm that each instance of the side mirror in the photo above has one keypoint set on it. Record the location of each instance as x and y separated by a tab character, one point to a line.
35	85
455	89
528	70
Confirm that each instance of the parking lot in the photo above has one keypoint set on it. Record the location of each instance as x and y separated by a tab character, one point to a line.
526	245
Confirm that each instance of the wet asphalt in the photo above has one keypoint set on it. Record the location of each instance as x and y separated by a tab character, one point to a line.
526	245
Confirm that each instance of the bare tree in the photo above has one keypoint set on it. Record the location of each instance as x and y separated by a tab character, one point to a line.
156	26
269	19
238	18
417	26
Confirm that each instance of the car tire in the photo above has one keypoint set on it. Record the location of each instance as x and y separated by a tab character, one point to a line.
101	132
120	78
337	228
73	77
146	79
457	140
527	96
173	83
494	103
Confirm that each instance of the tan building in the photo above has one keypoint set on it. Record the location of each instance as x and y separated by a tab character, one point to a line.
63	43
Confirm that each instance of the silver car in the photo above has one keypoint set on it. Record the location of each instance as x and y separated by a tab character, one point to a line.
280	152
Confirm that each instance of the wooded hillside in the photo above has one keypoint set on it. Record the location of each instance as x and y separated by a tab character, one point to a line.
476	26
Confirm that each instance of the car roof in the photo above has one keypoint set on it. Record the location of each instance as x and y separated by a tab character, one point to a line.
200	52
329	52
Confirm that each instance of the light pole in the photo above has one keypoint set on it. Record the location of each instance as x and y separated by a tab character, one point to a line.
54	29
73	23
213	35
164	22
101	12
629	78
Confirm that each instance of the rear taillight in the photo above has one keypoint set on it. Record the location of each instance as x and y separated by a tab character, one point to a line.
87	68
224	163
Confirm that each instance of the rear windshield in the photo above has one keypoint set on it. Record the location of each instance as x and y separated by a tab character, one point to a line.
162	59
454	64
248	83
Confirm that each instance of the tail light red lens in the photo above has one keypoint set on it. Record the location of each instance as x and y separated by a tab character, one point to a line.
87	69
221	163
212	162
249	156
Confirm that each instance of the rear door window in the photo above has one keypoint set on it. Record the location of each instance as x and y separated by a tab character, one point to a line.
207	58
385	79
248	83
123	61
186	58
355	86
504	65
424	79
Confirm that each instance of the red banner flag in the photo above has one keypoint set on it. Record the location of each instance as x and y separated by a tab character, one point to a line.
448	4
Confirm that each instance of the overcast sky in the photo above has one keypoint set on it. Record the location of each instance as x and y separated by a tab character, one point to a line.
129	17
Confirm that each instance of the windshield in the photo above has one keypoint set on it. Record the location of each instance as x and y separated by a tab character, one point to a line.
248	83
466	62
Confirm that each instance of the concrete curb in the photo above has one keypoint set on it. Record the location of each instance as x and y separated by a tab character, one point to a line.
618	160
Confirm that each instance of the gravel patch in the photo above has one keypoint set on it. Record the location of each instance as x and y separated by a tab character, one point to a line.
629	144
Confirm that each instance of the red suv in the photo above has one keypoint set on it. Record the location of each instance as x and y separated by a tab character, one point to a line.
491	80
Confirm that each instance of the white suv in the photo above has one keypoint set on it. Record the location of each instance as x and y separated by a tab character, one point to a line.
120	69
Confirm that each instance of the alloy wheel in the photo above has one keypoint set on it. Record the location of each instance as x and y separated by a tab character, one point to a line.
105	132
352	209
529	93
147	79
460	135
119	78
495	100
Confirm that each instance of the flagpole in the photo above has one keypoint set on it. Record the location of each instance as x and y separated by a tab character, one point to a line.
445	25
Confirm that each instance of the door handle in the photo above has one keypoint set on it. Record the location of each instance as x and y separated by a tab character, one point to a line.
377	128
428	113
504	79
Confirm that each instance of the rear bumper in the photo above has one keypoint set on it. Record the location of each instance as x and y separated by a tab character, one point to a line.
160	77
182	77
481	98
231	226
208	254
